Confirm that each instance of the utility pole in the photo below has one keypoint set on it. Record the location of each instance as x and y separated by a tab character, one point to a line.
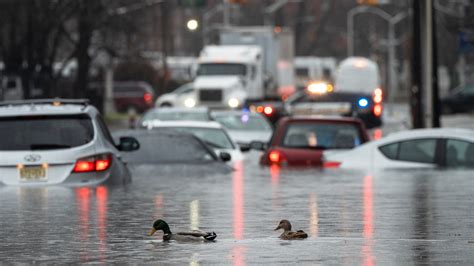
416	89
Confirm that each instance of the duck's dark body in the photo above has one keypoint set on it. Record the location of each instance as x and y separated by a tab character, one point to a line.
288	234
195	235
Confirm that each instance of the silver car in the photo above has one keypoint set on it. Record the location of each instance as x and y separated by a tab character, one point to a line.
56	141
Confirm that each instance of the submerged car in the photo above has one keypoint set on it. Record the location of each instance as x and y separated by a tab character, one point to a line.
244	127
459	100
211	133
301	141
419	148
162	147
180	97
49	142
176	114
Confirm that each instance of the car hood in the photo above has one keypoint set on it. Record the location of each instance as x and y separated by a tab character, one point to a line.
240	136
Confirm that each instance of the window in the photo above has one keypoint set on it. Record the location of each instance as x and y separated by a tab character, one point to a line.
418	150
45	132
222	69
459	153
105	130
302	72
390	151
321	135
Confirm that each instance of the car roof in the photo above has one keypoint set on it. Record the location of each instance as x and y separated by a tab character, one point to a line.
321	118
235	112
182	123
432	132
180	109
46	107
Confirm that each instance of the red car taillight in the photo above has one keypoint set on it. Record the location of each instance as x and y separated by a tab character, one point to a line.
276	157
95	163
331	164
148	98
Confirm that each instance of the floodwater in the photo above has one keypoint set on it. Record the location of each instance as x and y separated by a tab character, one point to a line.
415	217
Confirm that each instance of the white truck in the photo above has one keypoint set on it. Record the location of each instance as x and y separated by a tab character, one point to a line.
228	75
250	64
311	68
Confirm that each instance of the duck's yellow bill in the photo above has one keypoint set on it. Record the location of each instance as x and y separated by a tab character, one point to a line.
152	231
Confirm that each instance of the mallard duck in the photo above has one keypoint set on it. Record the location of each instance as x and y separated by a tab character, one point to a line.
195	235
287	233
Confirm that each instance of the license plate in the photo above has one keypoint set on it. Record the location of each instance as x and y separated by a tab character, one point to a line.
33	173
322	109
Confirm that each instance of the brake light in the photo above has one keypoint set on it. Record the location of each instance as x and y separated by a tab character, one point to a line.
268	110
378	110
378	95
147	97
95	163
331	164
276	157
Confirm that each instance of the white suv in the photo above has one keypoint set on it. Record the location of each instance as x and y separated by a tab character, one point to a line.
57	141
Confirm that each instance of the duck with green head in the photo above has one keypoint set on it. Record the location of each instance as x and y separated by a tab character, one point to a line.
195	235
287	233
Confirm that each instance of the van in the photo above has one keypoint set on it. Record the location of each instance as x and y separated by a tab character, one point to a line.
357	74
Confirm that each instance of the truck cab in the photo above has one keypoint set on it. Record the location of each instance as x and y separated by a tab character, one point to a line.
228	75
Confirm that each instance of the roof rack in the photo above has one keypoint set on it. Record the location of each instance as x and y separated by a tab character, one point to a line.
53	101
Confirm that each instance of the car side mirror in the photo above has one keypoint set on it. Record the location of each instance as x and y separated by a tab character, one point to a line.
258	145
128	144
244	147
225	156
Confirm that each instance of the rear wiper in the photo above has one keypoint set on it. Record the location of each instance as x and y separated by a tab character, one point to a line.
48	146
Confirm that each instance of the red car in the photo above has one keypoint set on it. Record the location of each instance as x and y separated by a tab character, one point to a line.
301	141
136	95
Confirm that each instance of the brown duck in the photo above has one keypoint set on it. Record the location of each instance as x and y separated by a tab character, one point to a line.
287	233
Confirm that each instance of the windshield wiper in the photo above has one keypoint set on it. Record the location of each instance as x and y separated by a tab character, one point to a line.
48	146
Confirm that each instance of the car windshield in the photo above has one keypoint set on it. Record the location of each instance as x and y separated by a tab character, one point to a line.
221	69
176	115
45	132
321	135
245	122
165	147
214	137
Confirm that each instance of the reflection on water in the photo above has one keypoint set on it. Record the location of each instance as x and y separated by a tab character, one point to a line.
101	205
313	210
238	255
158	201
194	215
275	175
367	254
238	200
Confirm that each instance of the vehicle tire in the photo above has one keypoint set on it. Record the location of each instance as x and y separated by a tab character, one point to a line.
166	104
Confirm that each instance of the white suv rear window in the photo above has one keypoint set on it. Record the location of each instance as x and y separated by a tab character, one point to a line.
45	132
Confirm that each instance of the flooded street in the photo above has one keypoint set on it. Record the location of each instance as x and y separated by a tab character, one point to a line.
351	218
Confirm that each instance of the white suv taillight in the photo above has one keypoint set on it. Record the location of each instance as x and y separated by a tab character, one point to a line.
96	163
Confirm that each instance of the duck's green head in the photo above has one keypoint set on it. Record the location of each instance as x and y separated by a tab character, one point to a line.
160	225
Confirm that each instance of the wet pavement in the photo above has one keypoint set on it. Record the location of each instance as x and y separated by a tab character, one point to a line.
389	217
417	217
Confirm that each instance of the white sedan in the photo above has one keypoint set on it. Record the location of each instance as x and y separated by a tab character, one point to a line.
419	148
211	133
183	96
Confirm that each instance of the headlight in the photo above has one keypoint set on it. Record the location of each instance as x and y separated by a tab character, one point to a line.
189	102
233	103
318	88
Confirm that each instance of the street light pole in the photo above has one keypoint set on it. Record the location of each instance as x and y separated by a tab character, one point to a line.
392	21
